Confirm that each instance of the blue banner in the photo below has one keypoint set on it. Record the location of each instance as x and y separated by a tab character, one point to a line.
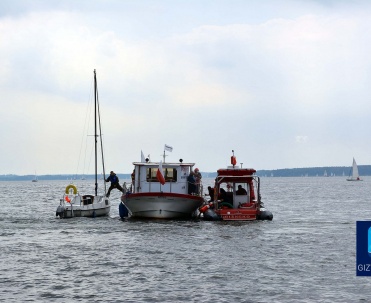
363	248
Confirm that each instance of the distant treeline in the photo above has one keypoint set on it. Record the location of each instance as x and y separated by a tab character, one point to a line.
330	171
364	170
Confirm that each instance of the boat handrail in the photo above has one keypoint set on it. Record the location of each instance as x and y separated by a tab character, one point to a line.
234	176
200	189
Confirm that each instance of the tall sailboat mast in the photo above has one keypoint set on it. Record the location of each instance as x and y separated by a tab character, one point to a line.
98	133
95	133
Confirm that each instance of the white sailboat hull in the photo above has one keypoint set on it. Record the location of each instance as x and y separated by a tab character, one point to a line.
86	212
79	208
351	179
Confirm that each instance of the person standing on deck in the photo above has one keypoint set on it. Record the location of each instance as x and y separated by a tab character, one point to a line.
114	183
191	183
198	178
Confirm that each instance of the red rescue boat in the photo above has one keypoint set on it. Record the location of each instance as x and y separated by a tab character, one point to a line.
235	196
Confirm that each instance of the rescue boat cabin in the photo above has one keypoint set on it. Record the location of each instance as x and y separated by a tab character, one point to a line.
235	188
144	177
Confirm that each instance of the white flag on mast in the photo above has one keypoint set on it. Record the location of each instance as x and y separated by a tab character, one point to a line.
168	148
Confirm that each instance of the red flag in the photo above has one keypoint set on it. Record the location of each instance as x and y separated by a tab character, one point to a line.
67	199
160	175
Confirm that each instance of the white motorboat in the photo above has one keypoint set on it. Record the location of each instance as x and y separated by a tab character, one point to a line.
74	204
161	190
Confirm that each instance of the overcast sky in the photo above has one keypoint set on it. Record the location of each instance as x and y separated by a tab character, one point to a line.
284	83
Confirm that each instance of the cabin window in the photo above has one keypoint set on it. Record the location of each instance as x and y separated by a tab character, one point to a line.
170	174
151	174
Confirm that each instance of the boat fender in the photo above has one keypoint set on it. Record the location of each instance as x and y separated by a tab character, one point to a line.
211	215
60	211
124	190
206	207
73	187
265	215
123	211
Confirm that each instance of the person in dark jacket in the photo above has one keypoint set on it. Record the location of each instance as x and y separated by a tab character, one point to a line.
223	195
191	183
114	183
211	193
241	190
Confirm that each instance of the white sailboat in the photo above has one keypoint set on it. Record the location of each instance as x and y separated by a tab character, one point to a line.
35	178
354	175
74	204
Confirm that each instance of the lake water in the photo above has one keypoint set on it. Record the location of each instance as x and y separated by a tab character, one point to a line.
306	254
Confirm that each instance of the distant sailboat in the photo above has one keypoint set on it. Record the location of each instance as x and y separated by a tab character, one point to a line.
354	175
35	178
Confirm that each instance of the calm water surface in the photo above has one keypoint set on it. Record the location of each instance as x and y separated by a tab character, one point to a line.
306	254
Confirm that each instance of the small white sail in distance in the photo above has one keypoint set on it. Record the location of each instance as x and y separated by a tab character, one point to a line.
354	172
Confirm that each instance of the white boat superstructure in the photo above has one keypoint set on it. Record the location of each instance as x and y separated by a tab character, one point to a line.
148	197
354	174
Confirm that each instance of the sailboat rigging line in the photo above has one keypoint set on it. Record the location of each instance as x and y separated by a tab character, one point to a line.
90	157
101	143
85	129
104	170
